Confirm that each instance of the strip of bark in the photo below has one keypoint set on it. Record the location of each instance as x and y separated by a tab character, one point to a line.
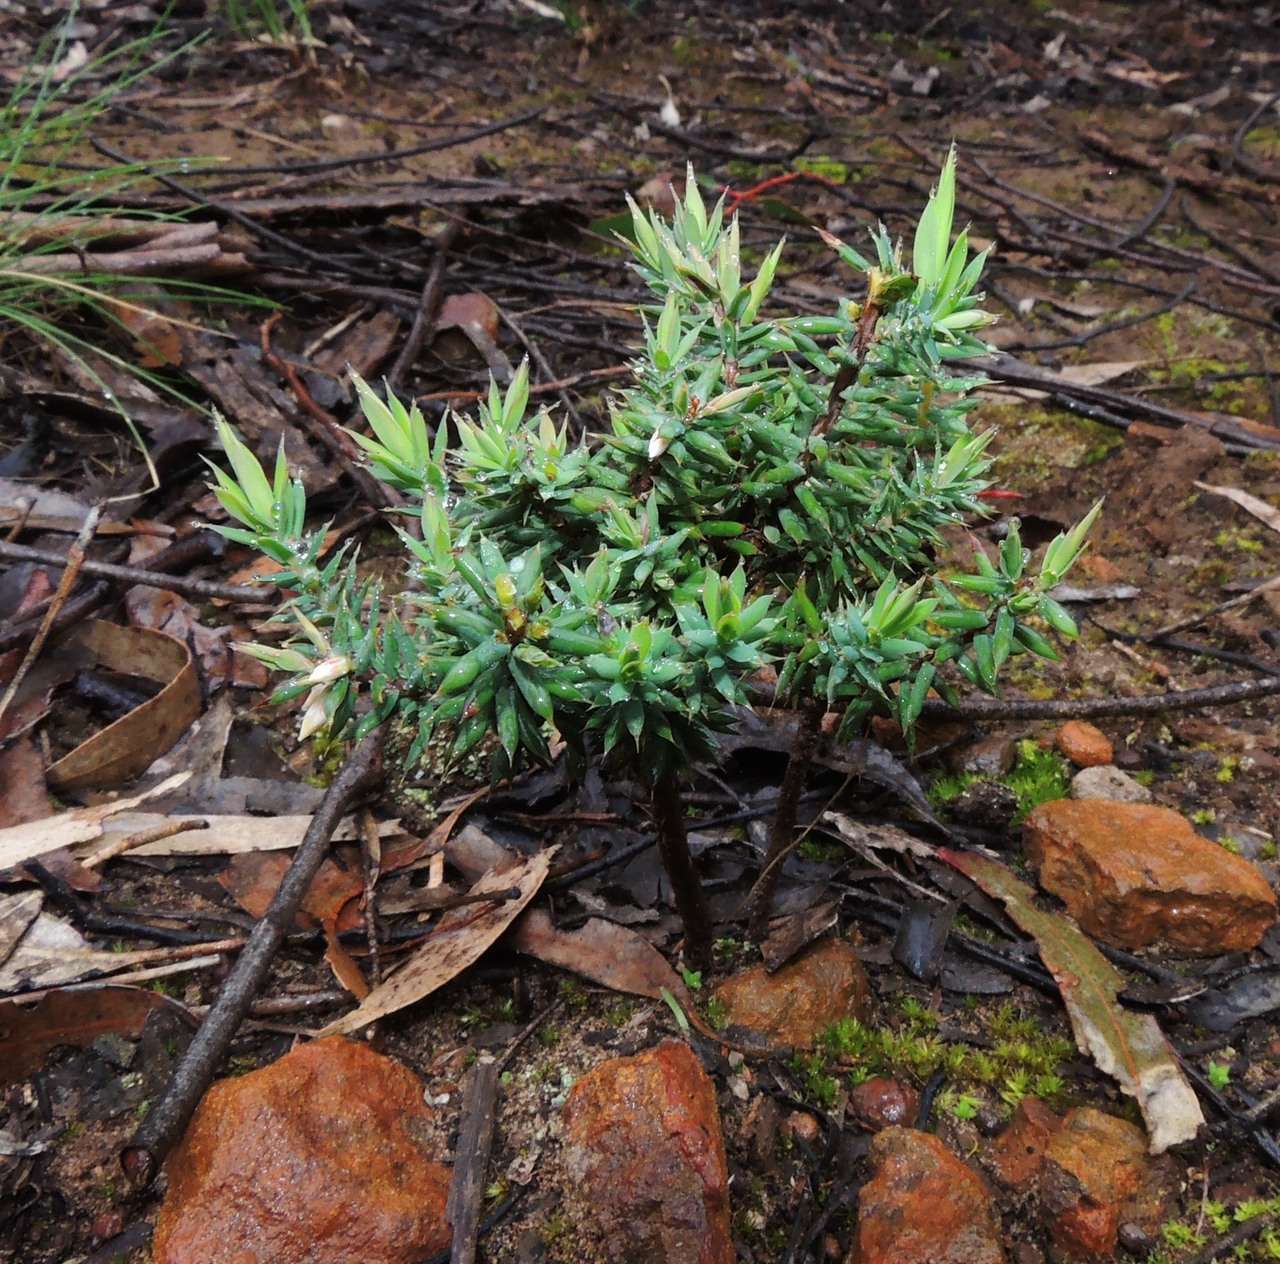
39	228
471	1161
155	261
168	1119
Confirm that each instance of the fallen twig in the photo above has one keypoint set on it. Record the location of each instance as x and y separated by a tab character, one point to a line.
424	318
156	260
131	574
1007	368
1233	603
166	1121
1238	155
1245	1231
118	846
371	867
1087	708
324	426
72	565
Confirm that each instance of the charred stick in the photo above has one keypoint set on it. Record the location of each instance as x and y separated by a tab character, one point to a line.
86	918
1238	156
471	1161
1244	1232
358	160
166	1122
325	263
591	865
782	836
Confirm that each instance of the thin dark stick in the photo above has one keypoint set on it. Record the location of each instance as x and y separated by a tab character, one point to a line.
424	319
1087	708
1007	368
1138	232
1233	603
168	1119
548	1011
324	426
471	1161
136	575
1080	339
782	836
371	864
362	160
325	262
1238	155
73	563
1245	1231
532	350
592	867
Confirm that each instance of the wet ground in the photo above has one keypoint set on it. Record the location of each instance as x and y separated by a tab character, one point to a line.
1122	159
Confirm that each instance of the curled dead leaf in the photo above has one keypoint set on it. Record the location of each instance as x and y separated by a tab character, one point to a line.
126	749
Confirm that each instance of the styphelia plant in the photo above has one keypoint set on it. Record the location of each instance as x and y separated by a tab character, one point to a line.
771	491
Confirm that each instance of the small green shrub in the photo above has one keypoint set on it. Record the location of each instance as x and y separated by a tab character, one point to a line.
770	489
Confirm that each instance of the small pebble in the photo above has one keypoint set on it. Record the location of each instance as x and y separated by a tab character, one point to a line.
1108	782
802	1126
1085	745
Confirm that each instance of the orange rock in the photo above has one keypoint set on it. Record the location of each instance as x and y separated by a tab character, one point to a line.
1134	875
880	1103
1016	1154
1083	744
924	1206
796	1003
645	1152
315	1159
1094	1165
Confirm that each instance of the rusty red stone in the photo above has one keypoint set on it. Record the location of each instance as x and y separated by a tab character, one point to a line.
1135	875
317	1158
645	1154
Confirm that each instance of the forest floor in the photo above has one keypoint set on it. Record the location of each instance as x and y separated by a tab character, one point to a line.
462	169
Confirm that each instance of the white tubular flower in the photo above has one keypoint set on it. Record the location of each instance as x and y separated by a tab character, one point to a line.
321	677
329	669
